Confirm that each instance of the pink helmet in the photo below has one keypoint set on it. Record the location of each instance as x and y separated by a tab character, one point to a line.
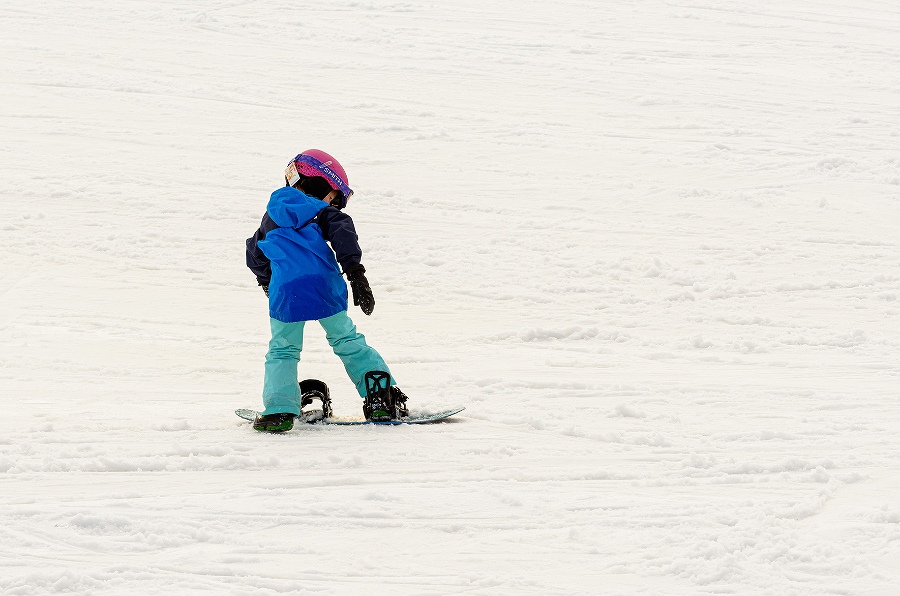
314	162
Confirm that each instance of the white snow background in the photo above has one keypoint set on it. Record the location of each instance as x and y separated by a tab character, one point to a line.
651	246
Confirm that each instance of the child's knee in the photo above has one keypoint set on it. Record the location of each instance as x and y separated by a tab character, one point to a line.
283	353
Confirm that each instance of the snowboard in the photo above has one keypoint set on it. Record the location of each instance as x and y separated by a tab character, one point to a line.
316	417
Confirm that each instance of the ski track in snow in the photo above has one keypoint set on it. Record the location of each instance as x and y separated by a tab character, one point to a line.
652	247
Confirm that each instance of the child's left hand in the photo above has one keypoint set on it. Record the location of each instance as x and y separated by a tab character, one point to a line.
362	293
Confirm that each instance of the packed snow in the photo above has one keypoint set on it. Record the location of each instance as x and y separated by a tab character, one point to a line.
652	247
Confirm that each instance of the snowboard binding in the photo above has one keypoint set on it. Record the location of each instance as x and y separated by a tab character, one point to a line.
383	401
310	391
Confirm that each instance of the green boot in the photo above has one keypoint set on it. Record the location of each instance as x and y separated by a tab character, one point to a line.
383	401
274	423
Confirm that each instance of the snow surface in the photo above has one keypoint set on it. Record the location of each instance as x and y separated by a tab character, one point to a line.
652	247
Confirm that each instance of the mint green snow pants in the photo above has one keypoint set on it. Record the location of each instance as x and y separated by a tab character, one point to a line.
281	392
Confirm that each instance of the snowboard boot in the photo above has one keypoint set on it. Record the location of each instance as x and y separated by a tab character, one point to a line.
274	423
382	401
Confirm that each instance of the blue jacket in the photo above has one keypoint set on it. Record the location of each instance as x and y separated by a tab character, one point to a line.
290	255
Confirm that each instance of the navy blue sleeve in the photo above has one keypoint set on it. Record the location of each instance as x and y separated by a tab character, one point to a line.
337	227
258	262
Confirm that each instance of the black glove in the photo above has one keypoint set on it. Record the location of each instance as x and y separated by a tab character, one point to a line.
362	293
265	289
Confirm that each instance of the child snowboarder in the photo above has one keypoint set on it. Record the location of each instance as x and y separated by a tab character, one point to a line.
292	261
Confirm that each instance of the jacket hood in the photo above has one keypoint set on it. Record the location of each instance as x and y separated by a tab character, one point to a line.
291	208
